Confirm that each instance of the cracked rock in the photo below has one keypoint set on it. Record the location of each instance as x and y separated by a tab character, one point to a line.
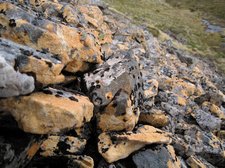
116	146
50	112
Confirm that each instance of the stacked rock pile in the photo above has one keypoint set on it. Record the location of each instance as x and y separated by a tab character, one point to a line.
81	86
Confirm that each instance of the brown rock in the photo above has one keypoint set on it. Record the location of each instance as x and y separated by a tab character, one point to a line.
74	47
43	66
81	161
197	162
214	109
60	145
53	112
178	86
156	119
113	146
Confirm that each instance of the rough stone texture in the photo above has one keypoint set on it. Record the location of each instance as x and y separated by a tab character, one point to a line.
156	118
150	91
17	148
115	88
158	157
125	71
194	161
207	121
81	162
61	145
49	112
75	47
116	146
13	83
41	65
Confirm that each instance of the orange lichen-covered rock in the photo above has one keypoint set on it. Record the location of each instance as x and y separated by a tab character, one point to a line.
53	145
41	65
49	112
76	46
116	146
156	118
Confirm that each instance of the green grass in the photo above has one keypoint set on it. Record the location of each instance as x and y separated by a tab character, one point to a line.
179	21
210	8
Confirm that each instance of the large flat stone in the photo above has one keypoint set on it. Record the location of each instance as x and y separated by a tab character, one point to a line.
42	113
116	146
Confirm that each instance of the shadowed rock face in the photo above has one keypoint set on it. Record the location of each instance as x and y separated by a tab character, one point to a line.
159	157
116	146
62	145
50	111
115	88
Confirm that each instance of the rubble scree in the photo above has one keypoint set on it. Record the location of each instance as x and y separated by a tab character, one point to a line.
82	86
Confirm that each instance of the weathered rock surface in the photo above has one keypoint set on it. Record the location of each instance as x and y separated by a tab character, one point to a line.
156	118
49	112
157	157
81	161
130	77
115	88
195	161
116	146
42	66
13	83
17	147
76	43
62	145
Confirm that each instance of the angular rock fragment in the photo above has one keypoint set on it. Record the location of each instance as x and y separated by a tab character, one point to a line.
195	161
214	109
158	157
155	118
13	83
116	146
62	145
49	112
81	161
150	91
43	66
115	88
207	121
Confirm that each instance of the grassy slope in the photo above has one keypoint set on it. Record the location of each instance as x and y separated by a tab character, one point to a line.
212	8
177	20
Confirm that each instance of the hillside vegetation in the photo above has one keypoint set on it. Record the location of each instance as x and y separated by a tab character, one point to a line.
182	20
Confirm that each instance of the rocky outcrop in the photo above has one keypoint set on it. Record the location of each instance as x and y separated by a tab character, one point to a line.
50	111
157	157
75	47
78	81
156	118
116	146
62	145
42	66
